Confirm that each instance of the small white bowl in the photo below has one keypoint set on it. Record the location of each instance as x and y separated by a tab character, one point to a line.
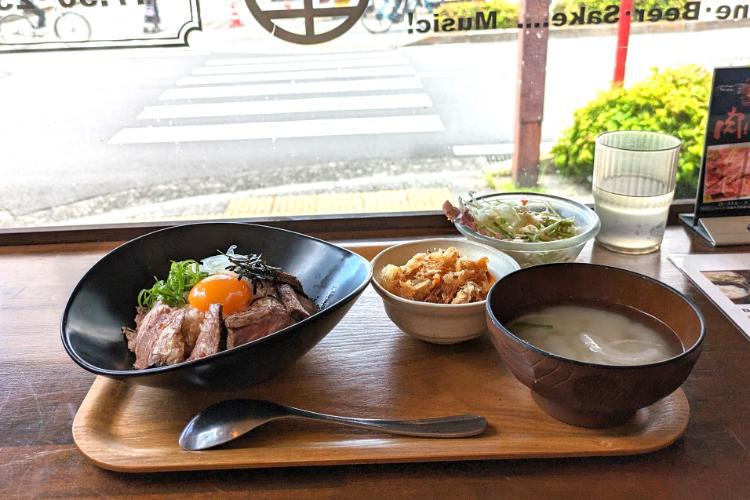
438	323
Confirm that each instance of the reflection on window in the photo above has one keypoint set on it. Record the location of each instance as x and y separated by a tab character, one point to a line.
415	104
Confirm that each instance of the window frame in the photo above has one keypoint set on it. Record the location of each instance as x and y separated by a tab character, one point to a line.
328	227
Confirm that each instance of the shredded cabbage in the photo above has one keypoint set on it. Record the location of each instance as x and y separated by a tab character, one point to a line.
525	221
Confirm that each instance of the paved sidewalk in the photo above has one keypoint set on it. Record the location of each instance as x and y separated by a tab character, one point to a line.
369	187
333	187
241	206
255	204
400	193
392	200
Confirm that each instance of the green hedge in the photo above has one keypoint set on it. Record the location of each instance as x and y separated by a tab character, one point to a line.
674	101
507	12
573	5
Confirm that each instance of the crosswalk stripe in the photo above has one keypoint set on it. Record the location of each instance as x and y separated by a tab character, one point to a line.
280	106
311	57
327	74
281	129
302	65
264	89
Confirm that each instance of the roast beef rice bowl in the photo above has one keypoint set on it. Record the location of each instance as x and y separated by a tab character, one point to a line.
211	306
219	303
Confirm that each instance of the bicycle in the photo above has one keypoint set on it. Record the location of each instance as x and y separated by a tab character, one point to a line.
380	15
67	26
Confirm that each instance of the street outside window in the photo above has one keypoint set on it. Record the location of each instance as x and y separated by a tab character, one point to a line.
117	111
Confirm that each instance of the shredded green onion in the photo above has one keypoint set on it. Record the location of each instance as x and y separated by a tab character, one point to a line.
183	275
528	324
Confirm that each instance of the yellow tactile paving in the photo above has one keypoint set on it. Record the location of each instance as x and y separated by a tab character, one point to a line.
294	204
339	203
392	200
428	198
259	206
385	201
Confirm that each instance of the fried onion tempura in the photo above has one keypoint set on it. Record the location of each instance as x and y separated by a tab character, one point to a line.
441	277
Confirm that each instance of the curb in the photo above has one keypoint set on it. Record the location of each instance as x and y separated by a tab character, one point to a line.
509	34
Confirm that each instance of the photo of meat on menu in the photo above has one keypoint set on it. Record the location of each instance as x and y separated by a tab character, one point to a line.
724	187
727	173
735	285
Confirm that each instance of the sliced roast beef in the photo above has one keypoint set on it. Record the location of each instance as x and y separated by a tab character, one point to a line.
191	326
130	335
290	280
291	302
210	334
309	306
264	316
158	338
140	313
166	335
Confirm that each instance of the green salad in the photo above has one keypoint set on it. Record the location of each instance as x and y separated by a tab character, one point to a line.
522	221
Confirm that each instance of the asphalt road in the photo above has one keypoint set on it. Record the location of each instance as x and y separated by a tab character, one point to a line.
79	125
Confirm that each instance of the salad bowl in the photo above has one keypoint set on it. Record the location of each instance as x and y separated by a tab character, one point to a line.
491	211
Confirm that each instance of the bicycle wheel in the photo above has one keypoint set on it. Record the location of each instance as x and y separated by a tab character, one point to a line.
16	29
377	16
72	27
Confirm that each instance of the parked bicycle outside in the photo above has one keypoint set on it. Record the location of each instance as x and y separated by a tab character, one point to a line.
380	15
26	27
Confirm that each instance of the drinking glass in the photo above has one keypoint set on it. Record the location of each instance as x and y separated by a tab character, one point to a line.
633	186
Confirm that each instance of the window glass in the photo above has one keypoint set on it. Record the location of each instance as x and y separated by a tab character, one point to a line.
151	110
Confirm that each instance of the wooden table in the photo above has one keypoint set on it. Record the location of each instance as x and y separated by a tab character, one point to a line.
41	390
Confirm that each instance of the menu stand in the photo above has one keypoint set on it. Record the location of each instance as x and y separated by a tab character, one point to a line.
720	231
722	206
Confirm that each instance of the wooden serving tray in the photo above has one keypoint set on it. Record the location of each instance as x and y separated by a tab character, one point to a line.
366	367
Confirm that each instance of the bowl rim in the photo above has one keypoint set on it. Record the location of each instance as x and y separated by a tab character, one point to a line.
696	346
431	305
226	352
537	246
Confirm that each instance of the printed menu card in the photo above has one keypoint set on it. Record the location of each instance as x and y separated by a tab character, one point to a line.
725	279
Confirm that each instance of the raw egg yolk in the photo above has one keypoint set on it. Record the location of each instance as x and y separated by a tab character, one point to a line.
233	294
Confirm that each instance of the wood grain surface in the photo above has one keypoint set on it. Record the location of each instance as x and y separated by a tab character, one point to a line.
41	390
367	368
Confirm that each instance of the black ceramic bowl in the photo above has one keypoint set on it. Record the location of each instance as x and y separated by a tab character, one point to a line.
105	299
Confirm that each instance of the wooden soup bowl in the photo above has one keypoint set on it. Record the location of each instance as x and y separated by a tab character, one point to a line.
587	394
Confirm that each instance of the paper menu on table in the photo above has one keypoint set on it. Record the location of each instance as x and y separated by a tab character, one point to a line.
725	279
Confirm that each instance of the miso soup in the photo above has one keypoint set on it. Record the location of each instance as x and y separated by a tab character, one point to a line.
593	334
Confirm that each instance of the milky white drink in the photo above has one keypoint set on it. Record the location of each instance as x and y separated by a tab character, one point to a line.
597	335
634	224
633	184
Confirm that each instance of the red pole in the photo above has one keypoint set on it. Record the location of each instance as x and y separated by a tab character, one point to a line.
623	39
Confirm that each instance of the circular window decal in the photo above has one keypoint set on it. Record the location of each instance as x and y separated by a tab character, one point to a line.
268	19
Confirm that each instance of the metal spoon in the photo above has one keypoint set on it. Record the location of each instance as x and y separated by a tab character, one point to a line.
230	419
